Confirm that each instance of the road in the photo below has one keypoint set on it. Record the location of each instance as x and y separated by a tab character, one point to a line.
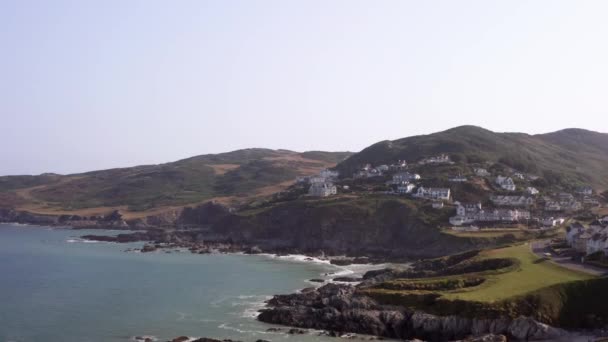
541	247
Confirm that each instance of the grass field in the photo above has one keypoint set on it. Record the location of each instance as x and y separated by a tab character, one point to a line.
532	274
527	274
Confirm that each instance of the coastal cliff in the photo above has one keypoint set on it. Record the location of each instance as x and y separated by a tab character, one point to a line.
379	228
341	308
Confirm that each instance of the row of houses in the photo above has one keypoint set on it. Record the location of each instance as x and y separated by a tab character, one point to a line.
588	240
433	193
440	159
474	213
512	201
401	178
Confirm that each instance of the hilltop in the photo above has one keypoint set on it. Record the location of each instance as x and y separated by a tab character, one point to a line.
227	177
571	155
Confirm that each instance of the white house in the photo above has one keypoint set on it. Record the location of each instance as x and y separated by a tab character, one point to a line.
532	191
573	231
481	172
585	190
597	243
329	174
437	204
506	183
405	189
405	177
433	193
552	222
457	179
552	206
519	175
322	189
382	168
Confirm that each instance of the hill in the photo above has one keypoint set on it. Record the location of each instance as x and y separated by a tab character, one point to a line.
572	156
227	177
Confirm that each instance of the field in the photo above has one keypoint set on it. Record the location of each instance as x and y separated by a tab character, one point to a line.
532	274
509	281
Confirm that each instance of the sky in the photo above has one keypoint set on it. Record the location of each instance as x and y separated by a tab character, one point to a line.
88	85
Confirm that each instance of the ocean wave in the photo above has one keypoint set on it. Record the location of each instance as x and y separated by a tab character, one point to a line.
298	258
142	338
226	326
81	240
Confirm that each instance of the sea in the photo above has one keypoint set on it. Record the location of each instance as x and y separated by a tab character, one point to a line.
57	287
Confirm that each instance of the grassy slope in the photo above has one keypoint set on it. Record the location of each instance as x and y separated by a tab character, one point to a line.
576	156
531	286
533	273
239	173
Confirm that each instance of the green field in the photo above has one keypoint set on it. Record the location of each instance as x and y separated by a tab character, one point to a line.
510	281
532	274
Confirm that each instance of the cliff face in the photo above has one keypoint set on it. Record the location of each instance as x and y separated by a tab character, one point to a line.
340	308
383	227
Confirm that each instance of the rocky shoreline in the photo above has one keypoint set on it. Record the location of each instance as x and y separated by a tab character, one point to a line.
341	309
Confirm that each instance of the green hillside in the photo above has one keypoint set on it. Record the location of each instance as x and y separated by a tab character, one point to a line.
238	173
569	156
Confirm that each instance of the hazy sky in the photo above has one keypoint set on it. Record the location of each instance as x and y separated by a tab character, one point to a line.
86	85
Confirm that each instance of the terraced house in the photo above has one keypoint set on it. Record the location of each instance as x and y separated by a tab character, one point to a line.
433	193
512	201
473	213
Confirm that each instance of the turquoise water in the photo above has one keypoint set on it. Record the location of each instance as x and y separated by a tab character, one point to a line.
55	287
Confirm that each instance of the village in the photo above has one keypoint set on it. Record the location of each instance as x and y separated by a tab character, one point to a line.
481	198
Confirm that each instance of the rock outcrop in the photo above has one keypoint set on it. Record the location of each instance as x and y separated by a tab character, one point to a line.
342	309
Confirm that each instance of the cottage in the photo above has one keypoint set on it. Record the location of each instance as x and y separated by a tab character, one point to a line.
580	242
552	222
590	201
405	189
552	206
317	180
329	174
457	179
433	193
532	191
519	175
322	189
572	231
481	172
437	204
506	183
585	190
597	243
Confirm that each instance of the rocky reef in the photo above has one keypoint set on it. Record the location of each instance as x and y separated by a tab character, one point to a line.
342	309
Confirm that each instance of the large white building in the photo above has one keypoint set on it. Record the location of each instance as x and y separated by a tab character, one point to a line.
506	183
472	213
405	177
322	189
